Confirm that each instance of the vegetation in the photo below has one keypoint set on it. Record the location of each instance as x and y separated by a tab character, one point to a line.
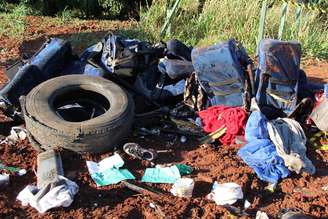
13	24
105	9
223	19
197	23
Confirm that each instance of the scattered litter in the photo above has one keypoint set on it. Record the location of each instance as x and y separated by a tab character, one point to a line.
184	169
49	167
186	126
198	122
291	214
59	193
319	115
142	189
4	179
21	172
183	139
210	138
16	134
183	187
226	193
247	204
107	171
325	188
152	205
261	215
16	170
161	175
144	131
217	84
271	187
135	150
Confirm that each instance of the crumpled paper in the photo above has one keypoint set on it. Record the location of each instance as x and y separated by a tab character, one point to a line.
107	171
59	193
226	193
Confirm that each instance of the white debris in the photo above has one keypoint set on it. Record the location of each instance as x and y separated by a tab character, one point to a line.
183	187
152	205
226	193
247	204
183	139
16	134
4	179
261	215
59	193
198	122
21	172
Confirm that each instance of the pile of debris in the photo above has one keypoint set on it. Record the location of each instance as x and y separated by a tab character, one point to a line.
216	95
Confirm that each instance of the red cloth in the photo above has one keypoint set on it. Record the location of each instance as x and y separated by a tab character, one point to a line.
233	118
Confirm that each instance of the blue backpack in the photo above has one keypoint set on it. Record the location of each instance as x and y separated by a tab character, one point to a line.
278	75
221	71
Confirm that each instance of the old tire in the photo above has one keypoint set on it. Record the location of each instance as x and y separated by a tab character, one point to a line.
98	134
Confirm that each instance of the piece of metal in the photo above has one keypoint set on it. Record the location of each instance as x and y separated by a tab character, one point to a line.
213	136
49	167
142	189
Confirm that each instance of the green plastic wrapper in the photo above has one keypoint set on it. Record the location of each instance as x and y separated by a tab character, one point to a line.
184	169
111	176
161	175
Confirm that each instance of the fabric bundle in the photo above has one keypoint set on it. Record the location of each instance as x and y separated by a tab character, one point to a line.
289	139
233	118
260	153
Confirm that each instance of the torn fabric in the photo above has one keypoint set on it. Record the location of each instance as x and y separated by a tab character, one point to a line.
289	139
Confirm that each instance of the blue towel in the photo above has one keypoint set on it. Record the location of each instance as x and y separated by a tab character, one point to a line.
260	153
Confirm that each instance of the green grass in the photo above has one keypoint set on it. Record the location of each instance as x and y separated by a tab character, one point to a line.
13	23
223	19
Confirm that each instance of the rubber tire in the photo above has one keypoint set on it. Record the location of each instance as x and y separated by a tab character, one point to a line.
96	135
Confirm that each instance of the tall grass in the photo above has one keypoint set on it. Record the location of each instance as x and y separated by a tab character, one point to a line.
13	24
223	19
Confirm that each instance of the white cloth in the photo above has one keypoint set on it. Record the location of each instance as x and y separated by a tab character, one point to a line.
114	161
226	193
59	193
4	179
290	141
261	215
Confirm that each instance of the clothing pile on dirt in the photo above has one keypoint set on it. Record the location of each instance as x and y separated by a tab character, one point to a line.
216	95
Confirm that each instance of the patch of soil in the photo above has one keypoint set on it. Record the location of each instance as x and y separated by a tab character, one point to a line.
317	71
210	163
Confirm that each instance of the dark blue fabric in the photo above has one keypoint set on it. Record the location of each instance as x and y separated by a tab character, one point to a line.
278	74
48	63
260	153
256	127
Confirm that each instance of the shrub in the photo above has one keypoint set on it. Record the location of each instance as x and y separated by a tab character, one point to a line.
223	19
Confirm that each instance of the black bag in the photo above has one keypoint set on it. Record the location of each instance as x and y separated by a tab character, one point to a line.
47	63
128	57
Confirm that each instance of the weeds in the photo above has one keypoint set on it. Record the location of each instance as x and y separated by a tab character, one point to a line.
13	24
223	19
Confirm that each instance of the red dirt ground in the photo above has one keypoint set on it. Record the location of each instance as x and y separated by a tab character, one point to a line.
210	164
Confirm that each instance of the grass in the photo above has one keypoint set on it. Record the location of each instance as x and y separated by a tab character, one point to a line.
217	21
13	24
223	19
